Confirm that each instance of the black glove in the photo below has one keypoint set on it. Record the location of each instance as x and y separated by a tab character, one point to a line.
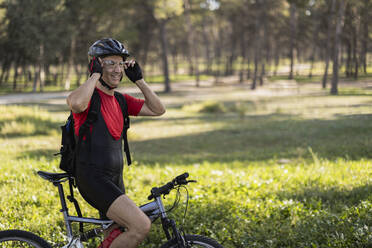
95	66
134	73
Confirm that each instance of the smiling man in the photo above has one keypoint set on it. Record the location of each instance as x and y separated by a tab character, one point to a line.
99	162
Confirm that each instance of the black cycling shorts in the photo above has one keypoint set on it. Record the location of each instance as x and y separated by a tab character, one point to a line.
99	188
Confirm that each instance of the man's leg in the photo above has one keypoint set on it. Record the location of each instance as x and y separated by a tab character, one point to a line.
126	213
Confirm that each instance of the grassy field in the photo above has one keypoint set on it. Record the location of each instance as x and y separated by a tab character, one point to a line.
279	167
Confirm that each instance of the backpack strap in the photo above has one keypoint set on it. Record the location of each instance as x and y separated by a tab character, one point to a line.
95	107
124	109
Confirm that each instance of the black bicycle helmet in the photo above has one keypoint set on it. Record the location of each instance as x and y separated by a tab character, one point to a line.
106	47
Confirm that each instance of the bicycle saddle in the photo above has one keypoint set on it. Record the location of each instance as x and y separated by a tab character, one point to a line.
52	177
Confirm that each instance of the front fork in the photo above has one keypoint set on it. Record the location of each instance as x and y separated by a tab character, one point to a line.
171	224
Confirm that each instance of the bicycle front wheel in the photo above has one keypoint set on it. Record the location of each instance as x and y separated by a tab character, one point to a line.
194	241
18	238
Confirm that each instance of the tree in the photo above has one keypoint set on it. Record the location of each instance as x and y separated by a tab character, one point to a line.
337	44
164	10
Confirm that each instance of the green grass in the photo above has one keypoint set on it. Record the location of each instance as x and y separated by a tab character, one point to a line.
272	170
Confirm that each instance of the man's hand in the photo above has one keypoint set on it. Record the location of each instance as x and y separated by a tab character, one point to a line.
133	71
95	66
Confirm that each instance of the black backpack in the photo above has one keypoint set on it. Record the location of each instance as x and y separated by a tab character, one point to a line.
70	144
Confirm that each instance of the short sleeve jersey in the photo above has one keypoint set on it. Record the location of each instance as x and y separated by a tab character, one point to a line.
111	113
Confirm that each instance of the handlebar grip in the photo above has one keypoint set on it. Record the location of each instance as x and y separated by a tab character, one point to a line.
166	188
182	177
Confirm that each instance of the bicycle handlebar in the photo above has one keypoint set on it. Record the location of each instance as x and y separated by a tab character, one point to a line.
165	189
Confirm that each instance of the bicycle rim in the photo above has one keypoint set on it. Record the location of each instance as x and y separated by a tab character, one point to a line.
194	241
21	239
194	244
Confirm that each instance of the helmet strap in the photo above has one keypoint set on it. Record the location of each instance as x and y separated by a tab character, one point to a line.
104	84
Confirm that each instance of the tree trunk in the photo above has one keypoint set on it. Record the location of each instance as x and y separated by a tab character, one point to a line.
70	63
61	73
257	48
233	43
78	73
4	71
365	35
41	68
229	63
348	59
254	81
243	52
24	74
29	76
266	41
262	74
330	16
175	63
355	51
315	42
218	49
292	37
189	36
276	58
197	74
164	54
36	79
15	76
208	59
337	44
248	64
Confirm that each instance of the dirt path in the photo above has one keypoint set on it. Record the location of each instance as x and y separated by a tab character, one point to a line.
280	87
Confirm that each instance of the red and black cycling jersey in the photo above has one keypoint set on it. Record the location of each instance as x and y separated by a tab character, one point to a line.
111	113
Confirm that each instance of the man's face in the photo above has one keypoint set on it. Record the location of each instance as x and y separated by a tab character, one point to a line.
112	69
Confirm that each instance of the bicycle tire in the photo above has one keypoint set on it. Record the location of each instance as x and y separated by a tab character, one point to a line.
194	241
19	238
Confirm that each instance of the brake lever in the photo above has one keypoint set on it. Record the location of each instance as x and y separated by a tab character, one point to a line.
192	181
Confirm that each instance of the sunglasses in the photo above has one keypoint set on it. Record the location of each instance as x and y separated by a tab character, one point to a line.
111	64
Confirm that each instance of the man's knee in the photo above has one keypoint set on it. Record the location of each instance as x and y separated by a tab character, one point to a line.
142	227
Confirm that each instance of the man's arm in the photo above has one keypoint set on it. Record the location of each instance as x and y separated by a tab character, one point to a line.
78	100
152	106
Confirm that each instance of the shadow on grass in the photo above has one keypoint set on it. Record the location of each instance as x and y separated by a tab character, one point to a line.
333	199
259	138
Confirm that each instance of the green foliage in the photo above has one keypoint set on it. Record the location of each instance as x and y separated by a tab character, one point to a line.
165	9
298	178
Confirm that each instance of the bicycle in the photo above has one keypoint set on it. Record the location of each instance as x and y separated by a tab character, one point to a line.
176	238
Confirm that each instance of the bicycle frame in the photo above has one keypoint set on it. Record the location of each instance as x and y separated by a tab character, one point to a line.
153	210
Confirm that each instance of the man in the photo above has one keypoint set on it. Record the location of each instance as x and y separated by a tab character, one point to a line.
100	158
